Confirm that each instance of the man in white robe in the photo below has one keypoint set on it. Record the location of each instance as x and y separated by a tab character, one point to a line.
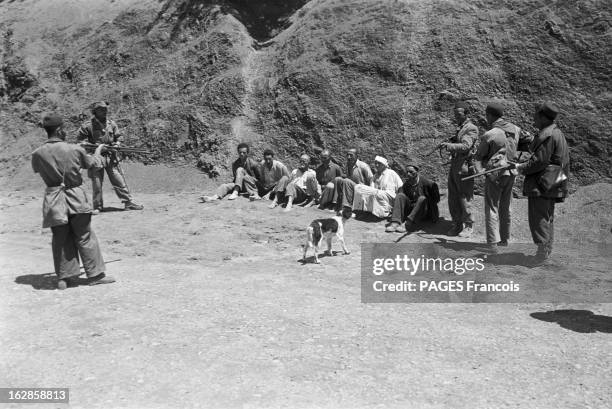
378	198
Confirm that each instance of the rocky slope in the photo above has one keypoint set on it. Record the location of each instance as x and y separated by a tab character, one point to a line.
190	79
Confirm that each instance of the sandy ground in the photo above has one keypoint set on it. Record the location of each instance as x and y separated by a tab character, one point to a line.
212	309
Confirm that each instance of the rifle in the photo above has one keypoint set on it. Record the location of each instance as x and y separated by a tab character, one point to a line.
438	148
486	172
120	149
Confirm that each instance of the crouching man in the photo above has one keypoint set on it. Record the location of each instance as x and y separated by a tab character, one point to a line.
66	207
417	200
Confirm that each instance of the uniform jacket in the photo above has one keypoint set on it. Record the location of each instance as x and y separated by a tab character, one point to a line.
549	147
59	164
96	132
428	189
461	146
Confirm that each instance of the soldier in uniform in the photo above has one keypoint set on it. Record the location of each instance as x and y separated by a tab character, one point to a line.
548	148
101	129
66	207
461	193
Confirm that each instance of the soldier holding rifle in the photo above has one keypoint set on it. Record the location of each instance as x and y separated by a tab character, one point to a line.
103	130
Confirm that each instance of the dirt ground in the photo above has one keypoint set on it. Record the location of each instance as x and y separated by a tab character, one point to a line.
211	308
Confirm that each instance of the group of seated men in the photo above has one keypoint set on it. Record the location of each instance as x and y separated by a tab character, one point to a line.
382	193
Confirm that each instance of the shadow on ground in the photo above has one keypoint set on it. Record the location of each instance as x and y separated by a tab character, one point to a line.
583	321
46	281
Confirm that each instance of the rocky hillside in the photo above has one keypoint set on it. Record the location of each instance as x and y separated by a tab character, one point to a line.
189	79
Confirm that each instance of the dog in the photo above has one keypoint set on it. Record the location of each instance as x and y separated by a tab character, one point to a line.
326	228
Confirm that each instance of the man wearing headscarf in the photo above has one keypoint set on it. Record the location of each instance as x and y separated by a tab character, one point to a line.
378	198
66	208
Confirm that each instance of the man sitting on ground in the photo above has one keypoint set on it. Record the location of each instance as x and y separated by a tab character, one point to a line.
301	187
416	201
246	172
378	198
272	171
358	172
326	173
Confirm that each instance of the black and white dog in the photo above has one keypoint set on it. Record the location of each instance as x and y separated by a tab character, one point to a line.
327	228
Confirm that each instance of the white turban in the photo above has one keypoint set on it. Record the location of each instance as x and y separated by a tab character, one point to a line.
381	160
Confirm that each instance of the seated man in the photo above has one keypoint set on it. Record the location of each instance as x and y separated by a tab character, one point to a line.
378	198
326	173
272	171
358	172
416	201
246	175
301	186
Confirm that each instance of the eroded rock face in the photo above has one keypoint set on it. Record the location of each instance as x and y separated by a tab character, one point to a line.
190	79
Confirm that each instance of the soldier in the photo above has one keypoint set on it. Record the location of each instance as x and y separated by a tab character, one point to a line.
497	146
550	156
460	193
66	209
101	129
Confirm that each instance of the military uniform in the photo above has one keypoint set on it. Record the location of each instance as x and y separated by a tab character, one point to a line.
67	209
549	148
460	193
96	132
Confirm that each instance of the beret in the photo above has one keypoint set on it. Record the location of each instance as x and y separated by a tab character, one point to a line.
496	109
548	109
462	105
99	104
412	165
381	160
52	120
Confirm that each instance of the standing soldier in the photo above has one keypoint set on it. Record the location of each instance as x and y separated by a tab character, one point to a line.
101	129
550	160
497	146
66	208
460	193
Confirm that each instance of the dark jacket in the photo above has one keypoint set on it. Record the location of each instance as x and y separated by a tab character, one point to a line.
431	192
251	166
549	147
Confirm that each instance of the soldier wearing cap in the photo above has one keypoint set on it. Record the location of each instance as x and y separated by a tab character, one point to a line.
549	152
101	129
496	146
66	208
461	193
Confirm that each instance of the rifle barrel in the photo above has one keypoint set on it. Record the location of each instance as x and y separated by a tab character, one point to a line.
486	172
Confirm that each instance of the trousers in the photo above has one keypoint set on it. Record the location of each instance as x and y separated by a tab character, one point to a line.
497	198
244	182
403	209
541	211
116	179
460	195
73	240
